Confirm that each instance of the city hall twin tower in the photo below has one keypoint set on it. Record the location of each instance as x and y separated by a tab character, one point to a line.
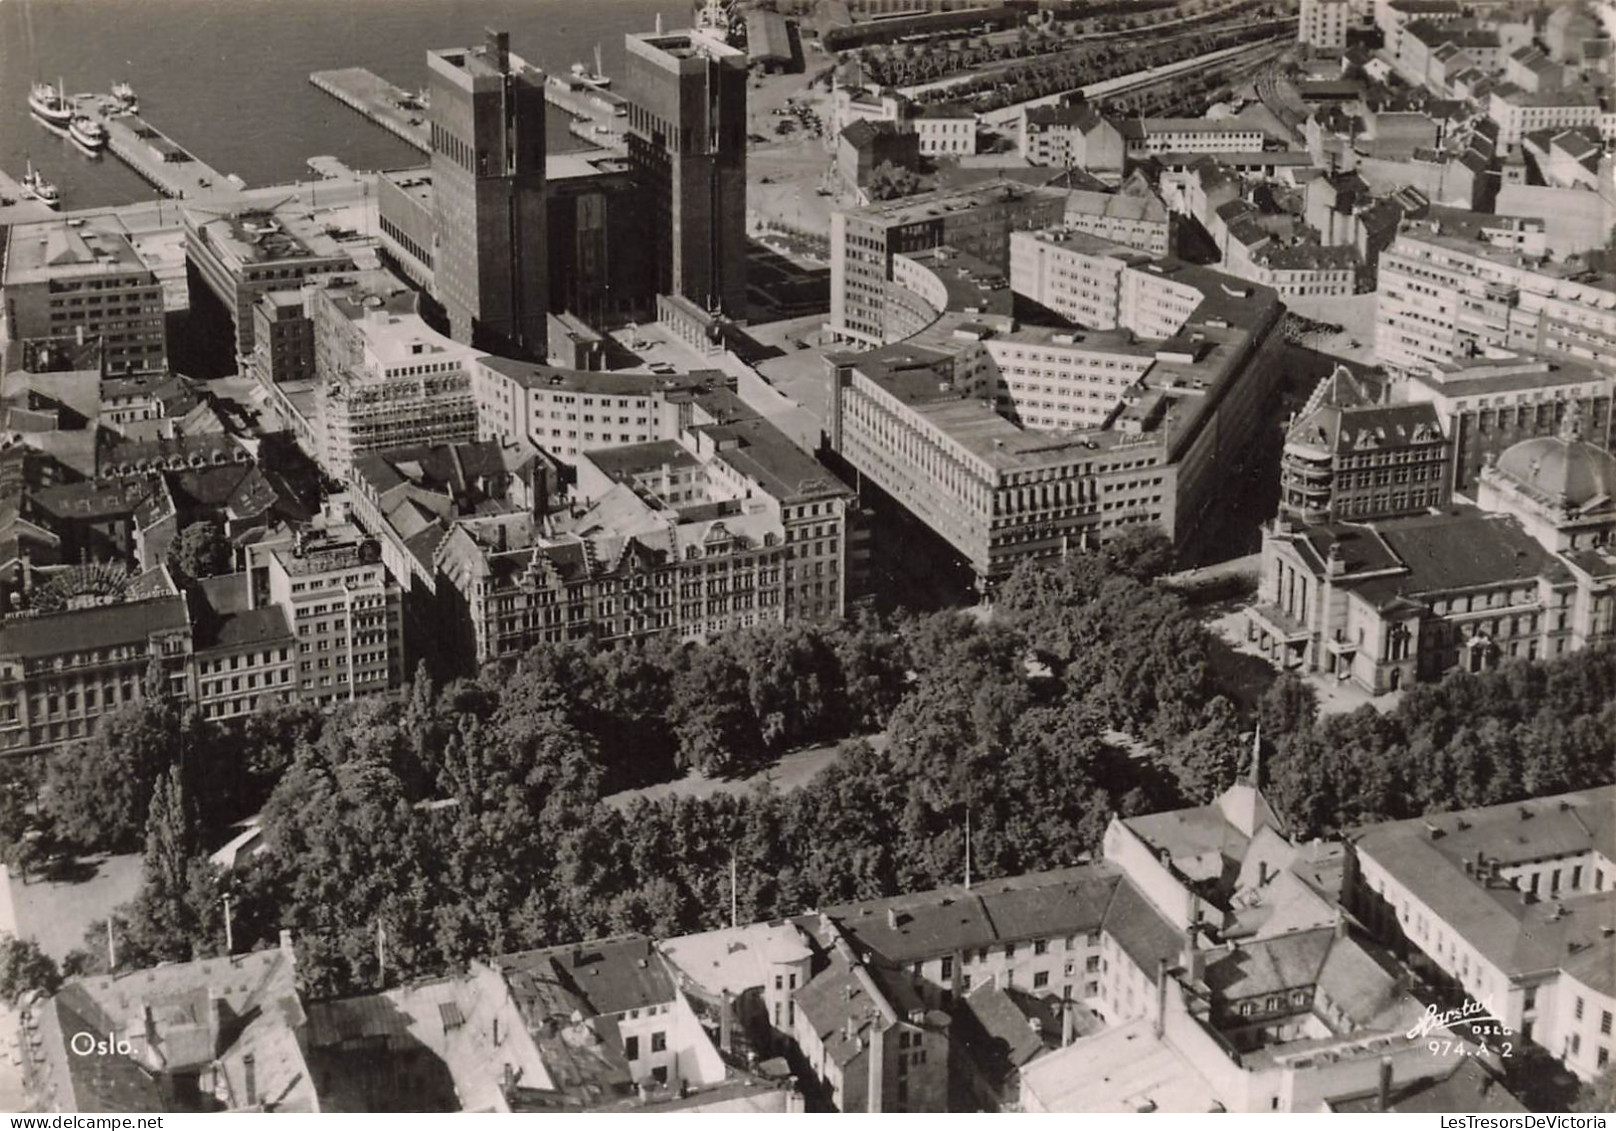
507	233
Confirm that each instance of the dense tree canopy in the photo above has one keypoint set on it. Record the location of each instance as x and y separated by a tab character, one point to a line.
201	550
409	833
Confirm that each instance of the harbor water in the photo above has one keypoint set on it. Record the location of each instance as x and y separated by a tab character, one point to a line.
229	79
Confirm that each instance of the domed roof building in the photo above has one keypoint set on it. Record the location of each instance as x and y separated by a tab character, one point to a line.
1562	489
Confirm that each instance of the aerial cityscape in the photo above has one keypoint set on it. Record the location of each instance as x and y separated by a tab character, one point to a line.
808	556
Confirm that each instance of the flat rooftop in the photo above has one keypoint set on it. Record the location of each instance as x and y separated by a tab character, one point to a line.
1124	1068
942	202
534	376
290	231
680	45
1515	375
69	249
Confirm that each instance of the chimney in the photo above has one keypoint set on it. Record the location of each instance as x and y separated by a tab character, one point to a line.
286	942
877	1069
249	1075
78	333
726	1024
1068	1022
215	1021
1193	958
1383	1099
1161	996
499	49
892	917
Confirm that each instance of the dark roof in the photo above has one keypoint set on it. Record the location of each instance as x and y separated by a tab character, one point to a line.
1253	969
1142	932
910	928
93	500
864	132
761	452
56	633
223	620
632	459
607	976
1004	1028
1083	116
454	466
1511	929
1462	551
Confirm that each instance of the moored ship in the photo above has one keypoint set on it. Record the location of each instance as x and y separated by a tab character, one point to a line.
50	105
36	187
88	134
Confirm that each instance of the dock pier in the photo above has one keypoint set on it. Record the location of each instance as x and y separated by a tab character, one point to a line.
160	161
392	108
403	115
15	207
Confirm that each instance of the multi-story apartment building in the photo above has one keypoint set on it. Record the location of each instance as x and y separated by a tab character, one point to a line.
729	525
489	266
83	279
62	669
1393	16
1513	906
385	378
1444	299
1323	24
1074	274
944	129
866	241
1135	216
1486	406
245	657
566	412
1191	135
687	144
1349	456
857	1017
1113	430
240	252
1074	136
1519	111
342	606
283	339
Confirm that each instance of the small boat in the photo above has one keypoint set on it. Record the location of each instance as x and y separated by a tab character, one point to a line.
36	187
88	134
596	78
50	105
123	96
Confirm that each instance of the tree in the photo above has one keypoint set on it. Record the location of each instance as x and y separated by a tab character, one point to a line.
163	923
1599	1096
96	792
201	550
711	714
1141	552
24	967
889	181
